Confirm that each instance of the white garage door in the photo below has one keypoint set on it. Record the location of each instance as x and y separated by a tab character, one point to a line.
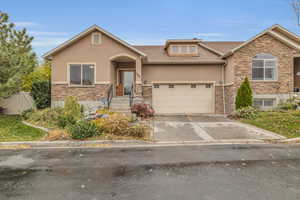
183	98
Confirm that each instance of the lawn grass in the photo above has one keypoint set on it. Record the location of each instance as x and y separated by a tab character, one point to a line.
286	123
12	129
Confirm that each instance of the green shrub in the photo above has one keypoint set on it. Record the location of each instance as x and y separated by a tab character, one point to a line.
82	130
27	113
64	120
246	113
41	93
244	96
41	73
72	112
289	104
72	108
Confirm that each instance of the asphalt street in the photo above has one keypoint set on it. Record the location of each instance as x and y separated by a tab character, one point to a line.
209	172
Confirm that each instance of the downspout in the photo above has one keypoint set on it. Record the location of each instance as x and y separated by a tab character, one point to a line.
223	87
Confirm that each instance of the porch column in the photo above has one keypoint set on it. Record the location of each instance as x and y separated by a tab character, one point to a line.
138	78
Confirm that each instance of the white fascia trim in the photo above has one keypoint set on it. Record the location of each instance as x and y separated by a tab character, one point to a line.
122	55
85	32
284	40
59	82
102	82
247	42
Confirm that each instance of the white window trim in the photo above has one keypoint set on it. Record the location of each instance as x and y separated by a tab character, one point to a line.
100	38
79	63
263	102
179	46
264	67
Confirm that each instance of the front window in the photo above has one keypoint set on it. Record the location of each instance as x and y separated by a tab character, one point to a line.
264	67
82	74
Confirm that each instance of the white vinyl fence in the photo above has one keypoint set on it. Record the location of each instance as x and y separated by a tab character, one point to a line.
17	103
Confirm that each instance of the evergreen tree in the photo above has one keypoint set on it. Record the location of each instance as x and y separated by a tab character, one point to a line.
16	56
244	96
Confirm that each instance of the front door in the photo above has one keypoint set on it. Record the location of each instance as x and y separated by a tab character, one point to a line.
125	83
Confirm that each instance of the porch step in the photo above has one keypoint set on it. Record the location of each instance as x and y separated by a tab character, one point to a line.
120	104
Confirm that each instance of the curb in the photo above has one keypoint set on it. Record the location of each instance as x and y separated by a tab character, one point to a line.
291	141
126	144
69	143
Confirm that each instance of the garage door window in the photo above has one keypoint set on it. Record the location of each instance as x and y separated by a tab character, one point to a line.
171	86
207	85
193	86
156	86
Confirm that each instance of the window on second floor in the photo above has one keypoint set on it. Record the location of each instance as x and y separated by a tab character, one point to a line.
183	49
264	67
82	74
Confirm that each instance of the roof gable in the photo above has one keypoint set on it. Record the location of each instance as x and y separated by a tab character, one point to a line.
86	32
284	37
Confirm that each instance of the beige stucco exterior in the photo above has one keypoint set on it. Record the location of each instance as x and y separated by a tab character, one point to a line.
82	51
154	73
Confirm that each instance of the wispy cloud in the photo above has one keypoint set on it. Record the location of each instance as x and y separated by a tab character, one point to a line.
46	33
25	24
210	34
48	41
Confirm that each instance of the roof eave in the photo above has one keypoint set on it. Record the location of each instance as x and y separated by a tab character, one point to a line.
85	32
267	31
184	62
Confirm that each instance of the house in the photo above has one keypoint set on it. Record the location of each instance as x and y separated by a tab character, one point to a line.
182	76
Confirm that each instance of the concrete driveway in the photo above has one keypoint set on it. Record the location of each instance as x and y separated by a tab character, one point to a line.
205	128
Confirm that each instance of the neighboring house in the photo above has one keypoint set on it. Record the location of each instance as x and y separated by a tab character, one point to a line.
182	76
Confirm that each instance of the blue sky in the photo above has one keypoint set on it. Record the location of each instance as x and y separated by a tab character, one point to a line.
148	21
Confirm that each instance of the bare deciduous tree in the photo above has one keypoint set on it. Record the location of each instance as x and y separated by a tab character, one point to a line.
296	6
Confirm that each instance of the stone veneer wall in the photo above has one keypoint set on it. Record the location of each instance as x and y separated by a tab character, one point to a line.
93	93
241	61
229	99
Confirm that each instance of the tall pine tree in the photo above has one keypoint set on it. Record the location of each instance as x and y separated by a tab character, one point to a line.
244	96
17	58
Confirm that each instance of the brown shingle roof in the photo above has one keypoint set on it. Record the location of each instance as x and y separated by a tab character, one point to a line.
223	47
157	53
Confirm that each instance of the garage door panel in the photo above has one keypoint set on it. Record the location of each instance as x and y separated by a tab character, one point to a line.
183	99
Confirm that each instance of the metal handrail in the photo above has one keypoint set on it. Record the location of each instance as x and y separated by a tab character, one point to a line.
109	95
131	95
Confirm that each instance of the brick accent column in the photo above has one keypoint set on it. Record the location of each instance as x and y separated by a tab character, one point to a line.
138	90
229	100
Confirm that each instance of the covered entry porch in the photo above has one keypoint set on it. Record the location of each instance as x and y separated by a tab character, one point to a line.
126	75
